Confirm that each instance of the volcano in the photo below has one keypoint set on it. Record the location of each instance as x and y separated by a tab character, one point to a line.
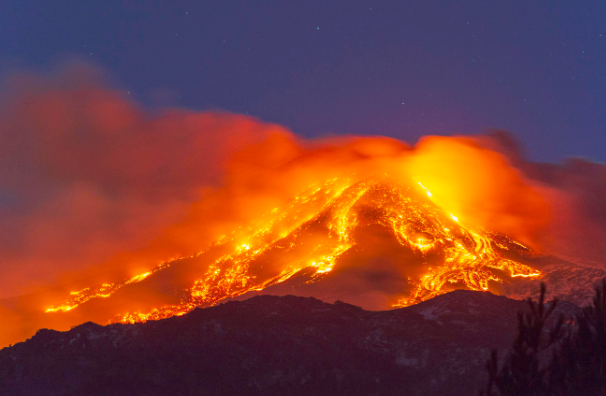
376	242
381	245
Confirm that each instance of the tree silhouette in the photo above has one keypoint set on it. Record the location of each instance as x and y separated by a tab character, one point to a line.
579	366
522	374
578	353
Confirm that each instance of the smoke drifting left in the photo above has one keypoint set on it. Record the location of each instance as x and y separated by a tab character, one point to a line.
87	175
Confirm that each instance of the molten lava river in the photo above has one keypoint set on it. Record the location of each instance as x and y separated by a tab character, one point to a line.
328	226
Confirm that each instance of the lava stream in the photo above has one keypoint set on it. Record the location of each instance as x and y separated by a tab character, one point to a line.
315	231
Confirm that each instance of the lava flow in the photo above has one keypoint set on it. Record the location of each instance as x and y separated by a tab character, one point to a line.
319	229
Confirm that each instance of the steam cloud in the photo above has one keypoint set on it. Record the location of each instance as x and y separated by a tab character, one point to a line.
93	185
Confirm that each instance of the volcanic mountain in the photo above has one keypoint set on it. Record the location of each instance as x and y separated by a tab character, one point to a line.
376	243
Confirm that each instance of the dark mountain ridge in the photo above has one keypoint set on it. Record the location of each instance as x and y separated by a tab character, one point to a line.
270	345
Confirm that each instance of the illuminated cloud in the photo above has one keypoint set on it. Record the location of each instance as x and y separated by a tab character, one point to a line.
95	189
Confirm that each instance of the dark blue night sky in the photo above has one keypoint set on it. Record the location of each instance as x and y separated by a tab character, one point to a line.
398	68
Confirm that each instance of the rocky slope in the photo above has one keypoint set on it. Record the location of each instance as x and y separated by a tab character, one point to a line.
271	345
568	279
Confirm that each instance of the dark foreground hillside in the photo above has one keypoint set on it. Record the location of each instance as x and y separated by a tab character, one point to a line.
271	345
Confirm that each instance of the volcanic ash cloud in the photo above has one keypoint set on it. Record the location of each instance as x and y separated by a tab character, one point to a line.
95	189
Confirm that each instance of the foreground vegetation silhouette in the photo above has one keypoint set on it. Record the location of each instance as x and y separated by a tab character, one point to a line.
551	356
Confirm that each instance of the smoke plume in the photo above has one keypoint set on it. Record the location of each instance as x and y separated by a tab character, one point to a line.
96	188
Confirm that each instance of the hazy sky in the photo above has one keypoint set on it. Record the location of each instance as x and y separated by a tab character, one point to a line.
397	68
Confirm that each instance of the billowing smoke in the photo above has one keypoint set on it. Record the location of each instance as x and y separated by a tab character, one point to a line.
575	191
95	188
86	175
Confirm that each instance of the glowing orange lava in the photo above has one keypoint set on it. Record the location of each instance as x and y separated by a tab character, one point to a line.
317	228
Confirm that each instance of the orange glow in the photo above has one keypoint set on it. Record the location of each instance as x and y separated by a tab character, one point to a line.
478	186
416	222
103	291
130	215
